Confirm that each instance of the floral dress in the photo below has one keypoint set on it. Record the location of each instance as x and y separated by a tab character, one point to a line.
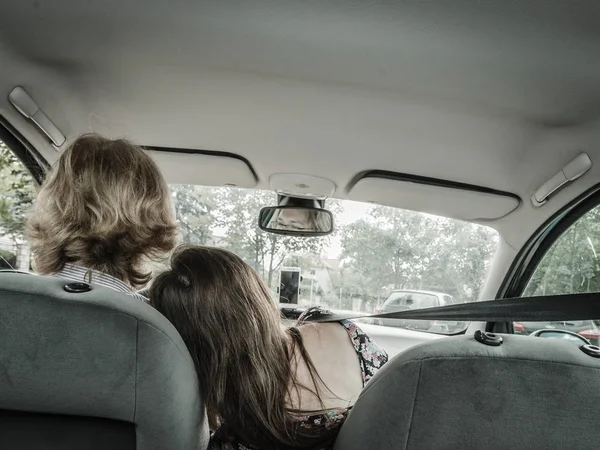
370	357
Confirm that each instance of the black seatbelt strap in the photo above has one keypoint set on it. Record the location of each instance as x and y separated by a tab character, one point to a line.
526	309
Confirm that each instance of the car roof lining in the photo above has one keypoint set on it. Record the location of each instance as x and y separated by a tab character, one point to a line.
439	197
210	168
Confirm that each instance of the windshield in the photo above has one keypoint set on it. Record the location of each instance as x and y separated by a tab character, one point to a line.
373	251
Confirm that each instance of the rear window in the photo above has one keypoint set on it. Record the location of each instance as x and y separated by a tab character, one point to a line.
412	300
448	300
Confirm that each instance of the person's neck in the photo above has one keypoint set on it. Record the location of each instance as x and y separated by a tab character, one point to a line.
95	269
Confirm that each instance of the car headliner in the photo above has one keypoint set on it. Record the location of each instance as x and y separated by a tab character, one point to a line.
496	94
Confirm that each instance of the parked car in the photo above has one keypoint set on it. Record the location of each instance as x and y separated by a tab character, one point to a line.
405	299
586	328
291	313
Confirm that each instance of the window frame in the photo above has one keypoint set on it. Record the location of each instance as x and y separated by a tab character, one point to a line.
536	248
541	242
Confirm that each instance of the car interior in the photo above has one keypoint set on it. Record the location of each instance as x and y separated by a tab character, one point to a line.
348	150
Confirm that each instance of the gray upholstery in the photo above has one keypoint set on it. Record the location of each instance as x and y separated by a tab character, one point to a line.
97	354
456	393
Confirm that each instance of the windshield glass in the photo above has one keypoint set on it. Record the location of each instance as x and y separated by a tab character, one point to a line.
373	251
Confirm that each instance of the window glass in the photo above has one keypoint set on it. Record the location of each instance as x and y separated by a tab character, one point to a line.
17	191
374	251
413	300
570	266
393	301
448	300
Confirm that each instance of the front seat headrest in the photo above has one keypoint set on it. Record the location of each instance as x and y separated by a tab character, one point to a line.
458	393
97	369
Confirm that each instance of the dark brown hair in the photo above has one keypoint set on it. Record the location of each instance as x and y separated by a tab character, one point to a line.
244	356
105	206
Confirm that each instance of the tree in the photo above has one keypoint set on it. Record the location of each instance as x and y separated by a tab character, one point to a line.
463	253
571	265
237	219
393	248
17	191
194	211
391	245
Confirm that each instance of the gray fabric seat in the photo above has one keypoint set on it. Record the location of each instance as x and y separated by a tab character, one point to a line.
92	370
456	393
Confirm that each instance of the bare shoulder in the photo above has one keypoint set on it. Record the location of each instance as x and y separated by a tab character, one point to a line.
325	335
334	358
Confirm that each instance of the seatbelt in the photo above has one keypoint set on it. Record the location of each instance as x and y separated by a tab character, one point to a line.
526	309
545	308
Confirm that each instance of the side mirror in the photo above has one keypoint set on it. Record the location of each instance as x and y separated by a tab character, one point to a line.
303	221
560	334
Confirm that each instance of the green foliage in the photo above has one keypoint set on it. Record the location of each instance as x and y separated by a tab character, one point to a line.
388	248
194	208
571	265
236	219
17	191
460	258
393	248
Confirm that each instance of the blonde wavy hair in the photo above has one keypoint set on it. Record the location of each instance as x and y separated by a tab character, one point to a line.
105	206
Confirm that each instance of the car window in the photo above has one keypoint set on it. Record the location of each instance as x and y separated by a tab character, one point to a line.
374	251
570	266
392	301
413	300
448	300
17	191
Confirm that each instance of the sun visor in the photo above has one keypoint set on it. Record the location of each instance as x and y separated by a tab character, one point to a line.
439	197
203	167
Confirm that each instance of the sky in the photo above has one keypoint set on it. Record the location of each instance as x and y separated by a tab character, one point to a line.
353	211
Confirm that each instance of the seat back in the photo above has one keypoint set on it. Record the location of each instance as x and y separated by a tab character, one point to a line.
459	393
92	370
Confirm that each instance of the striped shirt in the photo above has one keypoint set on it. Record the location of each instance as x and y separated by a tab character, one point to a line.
85	275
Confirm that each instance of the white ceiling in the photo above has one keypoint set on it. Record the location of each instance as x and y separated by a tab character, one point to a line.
495	93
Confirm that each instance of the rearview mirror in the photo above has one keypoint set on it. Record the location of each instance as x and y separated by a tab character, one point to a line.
296	220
